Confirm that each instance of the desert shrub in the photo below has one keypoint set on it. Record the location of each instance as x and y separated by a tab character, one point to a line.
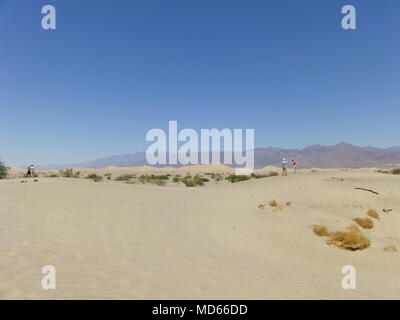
149	178
201	178
349	240
154	179
237	178
69	173
321	231
94	177
382	171
53	175
365	223
162	177
313	170
125	177
373	214
3	171
273	203
216	176
259	176
395	171
289	203
176	179
261	206
190	181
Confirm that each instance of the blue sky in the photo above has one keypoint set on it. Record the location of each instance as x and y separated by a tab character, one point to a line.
112	70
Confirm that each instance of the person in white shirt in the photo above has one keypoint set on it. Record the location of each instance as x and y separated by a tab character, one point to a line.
284	167
32	170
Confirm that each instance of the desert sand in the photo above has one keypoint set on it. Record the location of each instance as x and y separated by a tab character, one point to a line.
112	240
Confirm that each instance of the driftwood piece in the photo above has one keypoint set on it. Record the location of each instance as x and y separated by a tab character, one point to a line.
367	190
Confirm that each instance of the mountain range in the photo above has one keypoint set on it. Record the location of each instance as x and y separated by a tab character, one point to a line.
342	155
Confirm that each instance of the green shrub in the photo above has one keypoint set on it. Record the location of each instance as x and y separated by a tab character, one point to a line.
94	177
69	173
395	171
125	177
149	178
382	171
176	179
201	178
154	179
259	176
190	181
3	171
237	178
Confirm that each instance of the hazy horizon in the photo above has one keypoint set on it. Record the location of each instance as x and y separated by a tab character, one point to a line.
65	164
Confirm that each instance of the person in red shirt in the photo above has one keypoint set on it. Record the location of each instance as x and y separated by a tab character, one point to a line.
294	163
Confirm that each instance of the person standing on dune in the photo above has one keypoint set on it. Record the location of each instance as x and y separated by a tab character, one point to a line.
284	167
32	170
294	163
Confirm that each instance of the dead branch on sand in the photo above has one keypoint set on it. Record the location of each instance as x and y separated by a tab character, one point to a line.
367	190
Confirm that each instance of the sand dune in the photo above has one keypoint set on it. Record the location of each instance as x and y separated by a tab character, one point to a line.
114	240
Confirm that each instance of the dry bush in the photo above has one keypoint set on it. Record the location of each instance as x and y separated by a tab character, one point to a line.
289	203
391	248
373	214
261	206
365	223
273	203
321	231
349	240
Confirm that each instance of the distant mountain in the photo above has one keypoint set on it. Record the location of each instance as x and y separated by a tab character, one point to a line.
342	155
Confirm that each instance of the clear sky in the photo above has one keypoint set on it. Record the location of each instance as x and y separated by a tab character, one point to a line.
112	70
